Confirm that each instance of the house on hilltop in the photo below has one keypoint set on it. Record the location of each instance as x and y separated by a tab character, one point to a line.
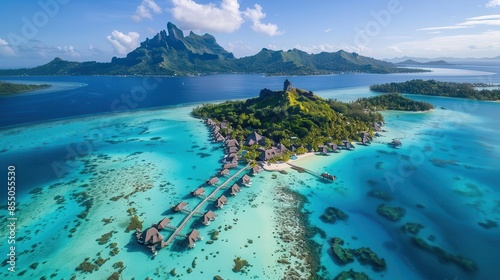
254	138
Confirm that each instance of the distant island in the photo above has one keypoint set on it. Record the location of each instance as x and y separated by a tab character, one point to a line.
414	62
11	88
299	121
438	88
170	53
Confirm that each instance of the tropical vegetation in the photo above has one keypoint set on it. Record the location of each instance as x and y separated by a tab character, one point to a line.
10	88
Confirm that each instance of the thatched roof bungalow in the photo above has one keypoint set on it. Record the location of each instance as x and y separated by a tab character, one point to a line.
231	143
230	165
180	206
193	236
213	181
224	172
246	180
256	169
219	203
254	138
163	223
198	191
208	217
235	189
151	236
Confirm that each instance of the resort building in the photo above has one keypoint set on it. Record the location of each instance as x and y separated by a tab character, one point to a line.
254	138
230	165
208	217
246	180
231	150
232	143
150	237
219	203
180	206
333	147
347	144
198	191
231	158
218	137
213	181
256	169
193	236
163	223
224	172
234	189
322	149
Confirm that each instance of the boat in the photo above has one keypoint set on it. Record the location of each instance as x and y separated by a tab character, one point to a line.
396	143
328	176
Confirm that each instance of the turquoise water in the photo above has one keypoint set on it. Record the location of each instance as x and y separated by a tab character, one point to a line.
68	171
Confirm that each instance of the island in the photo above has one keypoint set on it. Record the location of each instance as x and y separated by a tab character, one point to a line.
276	124
439	88
11	88
170	53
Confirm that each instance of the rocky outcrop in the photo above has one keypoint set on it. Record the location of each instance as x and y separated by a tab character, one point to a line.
392	213
332	214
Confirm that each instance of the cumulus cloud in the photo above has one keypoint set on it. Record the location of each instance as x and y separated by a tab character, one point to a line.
145	10
493	3
69	50
6	49
223	18
123	43
256	15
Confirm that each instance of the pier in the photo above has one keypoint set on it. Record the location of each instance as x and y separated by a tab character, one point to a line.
302	169
198	207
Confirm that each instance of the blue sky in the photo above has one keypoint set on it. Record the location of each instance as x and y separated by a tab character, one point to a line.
34	32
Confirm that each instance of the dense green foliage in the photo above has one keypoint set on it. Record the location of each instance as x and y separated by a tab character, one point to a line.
173	54
432	87
9	88
393	101
300	117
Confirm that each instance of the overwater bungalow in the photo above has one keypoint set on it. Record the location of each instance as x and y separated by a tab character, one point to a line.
180	206
210	122
224	172
246	180
215	129
218	137
192	237
230	165
256	169
396	143
208	217
235	189
328	176
219	203
232	143
231	150
198	191
213	181
231	158
151	238
163	223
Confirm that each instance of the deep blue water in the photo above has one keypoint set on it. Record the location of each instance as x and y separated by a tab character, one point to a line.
104	94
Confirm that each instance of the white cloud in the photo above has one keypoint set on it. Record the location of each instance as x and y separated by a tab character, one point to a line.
485	42
328	30
6	49
145	10
223	18
493	3
69	50
123	43
490	20
256	15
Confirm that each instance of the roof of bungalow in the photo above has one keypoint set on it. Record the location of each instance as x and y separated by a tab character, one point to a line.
208	216
232	143
269	153
215	128
150	236
192	237
218	137
232	150
332	145
224	171
163	223
231	158
221	201
235	188
213	180
230	165
210	121
322	149
281	148
246	179
256	169
198	191
253	138
180	206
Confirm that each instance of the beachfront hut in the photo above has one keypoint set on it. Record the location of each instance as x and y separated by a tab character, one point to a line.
198	191
347	144
333	147
151	236
193	236
267	154
213	181
221	201
208	217
322	149
163	223
230	165
180	206
256	169
254	138
246	180
224	172
281	148
365	138
235	189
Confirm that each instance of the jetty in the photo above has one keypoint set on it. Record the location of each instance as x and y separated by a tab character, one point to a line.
302	169
200	204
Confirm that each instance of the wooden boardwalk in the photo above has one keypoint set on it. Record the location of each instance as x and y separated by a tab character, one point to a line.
198	207
296	167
